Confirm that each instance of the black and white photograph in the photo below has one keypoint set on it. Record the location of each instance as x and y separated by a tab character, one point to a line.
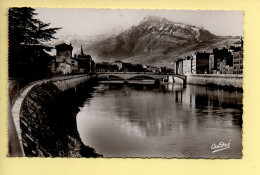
125	83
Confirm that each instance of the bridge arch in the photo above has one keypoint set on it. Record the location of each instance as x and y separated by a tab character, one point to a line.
110	77
141	77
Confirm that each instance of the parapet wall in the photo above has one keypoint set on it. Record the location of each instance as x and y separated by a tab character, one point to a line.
233	81
69	83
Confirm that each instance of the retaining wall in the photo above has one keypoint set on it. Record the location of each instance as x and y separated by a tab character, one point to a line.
234	81
40	129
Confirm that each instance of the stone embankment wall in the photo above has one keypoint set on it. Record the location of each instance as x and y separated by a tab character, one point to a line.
48	119
69	83
232	81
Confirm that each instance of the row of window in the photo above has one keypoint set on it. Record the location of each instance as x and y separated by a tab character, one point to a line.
238	61
238	66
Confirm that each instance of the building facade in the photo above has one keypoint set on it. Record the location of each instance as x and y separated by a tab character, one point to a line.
64	63
238	62
179	67
219	61
200	64
187	65
119	65
106	67
85	62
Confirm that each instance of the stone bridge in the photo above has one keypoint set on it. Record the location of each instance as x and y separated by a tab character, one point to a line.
148	75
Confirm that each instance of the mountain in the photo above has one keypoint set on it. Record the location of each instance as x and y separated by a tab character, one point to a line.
154	41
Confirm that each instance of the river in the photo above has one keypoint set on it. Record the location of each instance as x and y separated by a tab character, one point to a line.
166	121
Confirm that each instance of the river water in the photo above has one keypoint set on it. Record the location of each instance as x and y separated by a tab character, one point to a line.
167	121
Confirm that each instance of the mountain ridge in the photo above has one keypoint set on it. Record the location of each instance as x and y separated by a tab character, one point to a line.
153	41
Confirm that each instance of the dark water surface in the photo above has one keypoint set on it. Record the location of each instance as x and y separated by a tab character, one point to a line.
166	121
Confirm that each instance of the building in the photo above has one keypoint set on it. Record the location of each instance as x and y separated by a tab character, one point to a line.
129	67
63	52
64	63
238	62
219	56
153	69
179	66
220	61
237	52
64	68
187	65
119	65
85	62
239	43
200	63
224	68
166	70
106	67
212	66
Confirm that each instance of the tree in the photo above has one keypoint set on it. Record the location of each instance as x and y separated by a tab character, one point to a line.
27	53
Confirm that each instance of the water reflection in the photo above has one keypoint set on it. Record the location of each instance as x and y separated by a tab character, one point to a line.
166	121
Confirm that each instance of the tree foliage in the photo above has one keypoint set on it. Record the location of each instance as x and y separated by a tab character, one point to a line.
27	53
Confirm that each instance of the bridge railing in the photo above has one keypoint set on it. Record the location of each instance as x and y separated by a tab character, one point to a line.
148	73
144	73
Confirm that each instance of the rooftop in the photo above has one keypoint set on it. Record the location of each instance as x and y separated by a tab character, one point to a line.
64	46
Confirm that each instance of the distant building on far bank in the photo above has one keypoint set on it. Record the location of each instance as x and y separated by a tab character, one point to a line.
200	63
119	65
106	67
237	52
178	66
212	64
187	65
220	61
238	62
223	61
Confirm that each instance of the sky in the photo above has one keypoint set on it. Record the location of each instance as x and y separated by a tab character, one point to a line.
90	22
